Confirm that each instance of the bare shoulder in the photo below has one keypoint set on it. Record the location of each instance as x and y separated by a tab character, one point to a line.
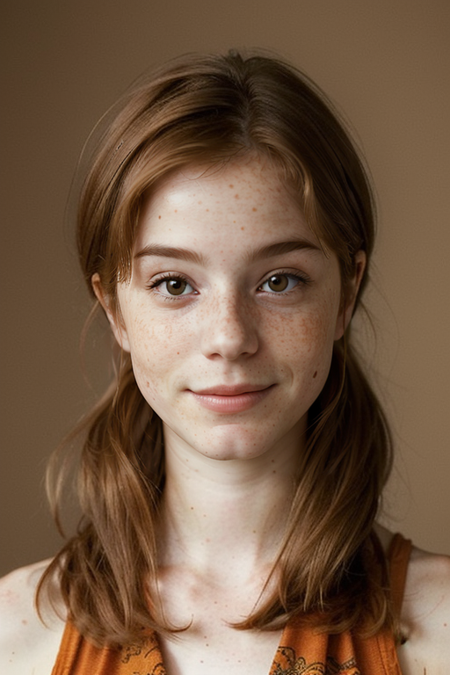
27	645
426	615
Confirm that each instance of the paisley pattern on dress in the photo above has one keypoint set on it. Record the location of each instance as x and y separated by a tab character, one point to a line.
147	660
286	662
150	652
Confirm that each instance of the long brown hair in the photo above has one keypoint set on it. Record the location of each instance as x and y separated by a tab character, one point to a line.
213	109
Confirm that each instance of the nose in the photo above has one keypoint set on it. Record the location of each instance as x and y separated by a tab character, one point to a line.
229	330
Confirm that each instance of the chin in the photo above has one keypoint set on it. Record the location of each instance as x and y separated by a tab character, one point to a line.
234	442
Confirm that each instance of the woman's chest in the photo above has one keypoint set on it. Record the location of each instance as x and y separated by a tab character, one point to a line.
208	611
217	649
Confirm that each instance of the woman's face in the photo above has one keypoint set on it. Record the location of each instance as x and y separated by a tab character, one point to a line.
231	312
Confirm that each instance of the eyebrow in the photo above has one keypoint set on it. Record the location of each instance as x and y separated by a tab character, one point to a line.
269	251
171	252
282	247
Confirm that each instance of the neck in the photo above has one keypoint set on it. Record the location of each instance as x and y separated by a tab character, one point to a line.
219	516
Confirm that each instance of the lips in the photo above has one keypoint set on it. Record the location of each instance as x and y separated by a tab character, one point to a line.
231	398
232	390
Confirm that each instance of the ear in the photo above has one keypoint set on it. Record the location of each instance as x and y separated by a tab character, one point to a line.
114	317
346	313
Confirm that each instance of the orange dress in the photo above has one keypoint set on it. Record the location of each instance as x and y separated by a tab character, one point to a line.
301	650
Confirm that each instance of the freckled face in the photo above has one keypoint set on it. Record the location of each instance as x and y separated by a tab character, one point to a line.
231	312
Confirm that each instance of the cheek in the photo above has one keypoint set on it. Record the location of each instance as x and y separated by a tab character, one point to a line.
308	333
155	348
305	345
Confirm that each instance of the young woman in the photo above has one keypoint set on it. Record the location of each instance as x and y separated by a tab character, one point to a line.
229	480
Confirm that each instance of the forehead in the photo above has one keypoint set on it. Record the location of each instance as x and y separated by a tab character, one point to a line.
244	196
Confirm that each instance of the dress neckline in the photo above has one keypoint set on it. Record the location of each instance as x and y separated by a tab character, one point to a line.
301	649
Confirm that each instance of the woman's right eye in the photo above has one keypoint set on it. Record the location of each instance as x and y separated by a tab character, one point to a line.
172	287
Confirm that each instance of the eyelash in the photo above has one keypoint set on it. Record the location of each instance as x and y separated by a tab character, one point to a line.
300	278
166	277
155	283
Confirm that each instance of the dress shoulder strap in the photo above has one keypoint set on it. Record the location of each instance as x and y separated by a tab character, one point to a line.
78	656
398	559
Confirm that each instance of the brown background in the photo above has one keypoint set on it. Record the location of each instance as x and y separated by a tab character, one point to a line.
384	62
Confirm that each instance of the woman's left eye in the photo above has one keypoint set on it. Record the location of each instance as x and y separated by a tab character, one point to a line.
280	283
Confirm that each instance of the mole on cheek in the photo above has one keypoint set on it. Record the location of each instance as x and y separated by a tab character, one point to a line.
315	375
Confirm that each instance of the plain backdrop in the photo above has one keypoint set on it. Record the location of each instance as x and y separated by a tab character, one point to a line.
385	63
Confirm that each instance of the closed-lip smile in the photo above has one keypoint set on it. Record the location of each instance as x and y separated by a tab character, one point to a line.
231	398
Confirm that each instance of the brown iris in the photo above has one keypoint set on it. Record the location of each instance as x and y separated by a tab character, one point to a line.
176	286
278	282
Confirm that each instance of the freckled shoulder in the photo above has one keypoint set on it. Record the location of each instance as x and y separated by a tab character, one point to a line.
27	645
426	615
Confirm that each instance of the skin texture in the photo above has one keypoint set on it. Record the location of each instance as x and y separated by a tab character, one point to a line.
228	327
